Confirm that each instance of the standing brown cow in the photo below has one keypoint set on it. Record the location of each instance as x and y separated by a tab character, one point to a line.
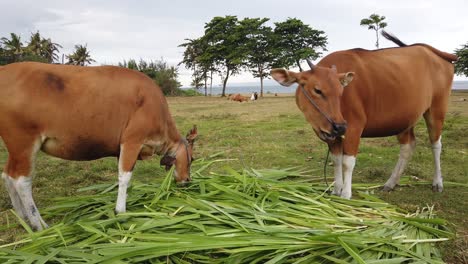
84	113
380	93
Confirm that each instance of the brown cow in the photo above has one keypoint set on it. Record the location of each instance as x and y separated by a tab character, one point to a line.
84	113
238	97
391	89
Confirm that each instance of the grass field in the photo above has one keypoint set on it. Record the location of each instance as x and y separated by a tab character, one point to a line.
272	133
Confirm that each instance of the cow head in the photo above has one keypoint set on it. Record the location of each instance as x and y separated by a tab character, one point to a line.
319	97
183	157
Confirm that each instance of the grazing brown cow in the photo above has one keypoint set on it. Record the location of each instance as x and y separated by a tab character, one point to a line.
84	113
380	93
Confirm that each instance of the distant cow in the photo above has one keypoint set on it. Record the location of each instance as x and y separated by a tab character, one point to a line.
385	93
84	113
254	96
238	97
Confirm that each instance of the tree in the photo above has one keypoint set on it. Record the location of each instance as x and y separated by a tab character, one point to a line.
80	56
461	66
223	35
35	44
49	50
12	47
196	60
258	46
296	41
374	22
41	49
164	75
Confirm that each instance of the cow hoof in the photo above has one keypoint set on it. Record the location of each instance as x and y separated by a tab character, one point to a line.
336	191
437	188
119	210
346	195
388	188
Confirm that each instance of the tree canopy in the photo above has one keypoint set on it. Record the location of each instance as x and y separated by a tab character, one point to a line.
296	41
81	56
461	66
40	49
161	73
230	45
374	22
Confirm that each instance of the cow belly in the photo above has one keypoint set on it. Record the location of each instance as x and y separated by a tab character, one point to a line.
389	128
78	149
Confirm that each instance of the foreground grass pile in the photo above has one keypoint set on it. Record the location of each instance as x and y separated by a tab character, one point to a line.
253	216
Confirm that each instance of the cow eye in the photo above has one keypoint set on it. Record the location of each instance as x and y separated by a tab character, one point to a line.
317	91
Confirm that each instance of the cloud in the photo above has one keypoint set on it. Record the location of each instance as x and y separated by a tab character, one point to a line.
118	30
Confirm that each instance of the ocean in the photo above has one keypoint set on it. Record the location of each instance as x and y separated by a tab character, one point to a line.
272	88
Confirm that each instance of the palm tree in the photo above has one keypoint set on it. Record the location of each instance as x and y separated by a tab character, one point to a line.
49	49
34	45
374	22
13	47
80	56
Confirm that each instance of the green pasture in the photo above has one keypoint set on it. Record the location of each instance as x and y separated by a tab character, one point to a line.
271	133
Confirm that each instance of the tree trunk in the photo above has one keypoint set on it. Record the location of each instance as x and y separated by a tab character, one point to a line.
261	84
377	35
211	83
223	94
206	88
299	65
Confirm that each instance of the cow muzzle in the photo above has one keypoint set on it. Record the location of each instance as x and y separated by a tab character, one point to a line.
339	129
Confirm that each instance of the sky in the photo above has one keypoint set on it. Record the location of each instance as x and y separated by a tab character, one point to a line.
117	30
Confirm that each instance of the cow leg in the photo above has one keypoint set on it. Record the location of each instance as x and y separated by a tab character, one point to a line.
350	149
127	159
336	150
348	166
14	196
407	145
19	169
434	122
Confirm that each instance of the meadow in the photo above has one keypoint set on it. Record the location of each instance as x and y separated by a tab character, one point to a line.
272	133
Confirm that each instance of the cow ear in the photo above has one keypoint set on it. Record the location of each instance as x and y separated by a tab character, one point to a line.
284	77
346	78
167	161
192	135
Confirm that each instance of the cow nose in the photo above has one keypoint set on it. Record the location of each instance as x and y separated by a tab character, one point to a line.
339	129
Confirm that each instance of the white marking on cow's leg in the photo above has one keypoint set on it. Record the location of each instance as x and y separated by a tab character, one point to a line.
23	186
338	169
124	178
14	196
348	167
437	183
406	150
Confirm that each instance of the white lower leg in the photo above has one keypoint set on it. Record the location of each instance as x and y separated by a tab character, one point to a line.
14	197
23	186
338	169
406	150
437	183
124	178
348	167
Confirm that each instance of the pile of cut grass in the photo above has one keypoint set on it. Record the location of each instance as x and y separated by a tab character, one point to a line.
253	216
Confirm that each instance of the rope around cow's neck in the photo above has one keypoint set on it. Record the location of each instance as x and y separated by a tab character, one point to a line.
316	106
325	168
331	122
184	141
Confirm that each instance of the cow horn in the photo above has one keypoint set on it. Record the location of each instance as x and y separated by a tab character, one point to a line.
311	65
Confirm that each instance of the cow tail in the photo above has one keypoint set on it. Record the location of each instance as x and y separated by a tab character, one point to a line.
444	55
393	39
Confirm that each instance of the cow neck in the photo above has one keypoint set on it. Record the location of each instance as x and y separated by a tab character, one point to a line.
172	145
